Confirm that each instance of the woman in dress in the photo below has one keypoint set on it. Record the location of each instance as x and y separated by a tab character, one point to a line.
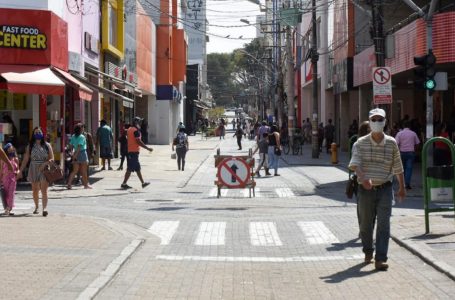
40	155
80	159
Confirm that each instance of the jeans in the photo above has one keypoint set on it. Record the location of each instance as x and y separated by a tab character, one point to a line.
239	142
181	153
408	160
273	159
375	204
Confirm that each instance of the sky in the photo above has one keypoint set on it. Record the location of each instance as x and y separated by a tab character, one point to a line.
228	13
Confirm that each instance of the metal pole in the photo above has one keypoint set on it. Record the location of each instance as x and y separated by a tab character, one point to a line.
290	82
378	33
314	62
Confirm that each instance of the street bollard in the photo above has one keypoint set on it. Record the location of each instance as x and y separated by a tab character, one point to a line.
333	150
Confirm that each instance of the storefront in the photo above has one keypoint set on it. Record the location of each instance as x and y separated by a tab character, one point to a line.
33	77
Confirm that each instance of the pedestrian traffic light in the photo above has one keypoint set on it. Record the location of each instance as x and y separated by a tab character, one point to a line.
425	71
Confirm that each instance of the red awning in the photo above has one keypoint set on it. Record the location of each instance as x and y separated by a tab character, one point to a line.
85	93
27	79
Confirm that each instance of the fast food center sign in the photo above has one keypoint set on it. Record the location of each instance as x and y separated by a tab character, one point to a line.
33	37
22	37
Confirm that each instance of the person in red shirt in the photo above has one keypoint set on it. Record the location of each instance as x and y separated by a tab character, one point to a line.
132	158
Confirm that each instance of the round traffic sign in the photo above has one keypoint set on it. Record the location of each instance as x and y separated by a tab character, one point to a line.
381	76
234	172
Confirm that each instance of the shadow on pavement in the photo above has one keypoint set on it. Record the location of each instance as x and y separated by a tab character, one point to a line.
168	208
352	272
354	243
224	208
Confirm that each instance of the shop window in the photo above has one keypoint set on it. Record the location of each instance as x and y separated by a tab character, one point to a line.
112	12
112	26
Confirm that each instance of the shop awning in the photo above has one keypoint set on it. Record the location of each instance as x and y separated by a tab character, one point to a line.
27	79
104	90
84	92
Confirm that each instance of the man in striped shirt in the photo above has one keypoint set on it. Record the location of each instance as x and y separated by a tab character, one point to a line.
376	159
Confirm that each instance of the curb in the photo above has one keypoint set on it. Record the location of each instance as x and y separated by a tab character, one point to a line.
425	256
112	269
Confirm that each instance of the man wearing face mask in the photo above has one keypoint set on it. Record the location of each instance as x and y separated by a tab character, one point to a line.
376	159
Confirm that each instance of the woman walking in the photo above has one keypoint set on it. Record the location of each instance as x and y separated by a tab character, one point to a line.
40	155
80	158
274	149
8	178
182	146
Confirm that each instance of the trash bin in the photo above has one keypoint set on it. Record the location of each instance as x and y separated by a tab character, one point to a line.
440	181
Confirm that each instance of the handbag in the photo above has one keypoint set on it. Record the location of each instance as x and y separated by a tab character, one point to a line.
351	186
53	172
173	156
277	151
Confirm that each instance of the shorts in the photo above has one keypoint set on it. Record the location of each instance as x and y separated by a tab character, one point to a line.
106	152
132	162
82	157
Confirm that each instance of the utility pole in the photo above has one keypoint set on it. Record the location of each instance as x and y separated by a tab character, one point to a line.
378	33
314	62
290	80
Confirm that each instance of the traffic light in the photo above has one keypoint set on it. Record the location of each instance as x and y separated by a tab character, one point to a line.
425	71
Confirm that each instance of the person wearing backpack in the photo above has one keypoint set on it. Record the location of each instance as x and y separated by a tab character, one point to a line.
239	134
181	147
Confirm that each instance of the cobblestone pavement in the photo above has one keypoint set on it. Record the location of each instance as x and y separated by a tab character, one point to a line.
297	239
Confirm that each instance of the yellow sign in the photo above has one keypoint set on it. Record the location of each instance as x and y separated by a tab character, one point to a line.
22	37
10	101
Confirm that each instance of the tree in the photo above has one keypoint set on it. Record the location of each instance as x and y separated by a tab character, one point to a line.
220	79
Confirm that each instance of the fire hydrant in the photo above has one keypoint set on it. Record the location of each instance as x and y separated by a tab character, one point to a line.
333	150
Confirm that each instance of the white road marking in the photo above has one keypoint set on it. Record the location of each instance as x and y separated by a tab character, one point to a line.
211	233
284	192
264	234
214	192
23	206
258	258
246	193
317	233
165	230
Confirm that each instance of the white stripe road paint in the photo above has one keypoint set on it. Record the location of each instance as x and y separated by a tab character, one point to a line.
284	192
258	258
214	192
246	192
317	233
165	230
211	233
264	234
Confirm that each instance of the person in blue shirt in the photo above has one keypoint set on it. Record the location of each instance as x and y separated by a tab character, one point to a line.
80	158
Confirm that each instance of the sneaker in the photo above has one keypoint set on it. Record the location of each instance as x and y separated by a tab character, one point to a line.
110	169
125	186
145	184
276	174
368	258
381	266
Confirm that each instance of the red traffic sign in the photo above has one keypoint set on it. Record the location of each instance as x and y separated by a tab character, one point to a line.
382	85
234	172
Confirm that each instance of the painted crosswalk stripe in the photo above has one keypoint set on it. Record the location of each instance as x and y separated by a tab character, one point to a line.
262	259
214	192
246	192
317	233
284	192
264	234
211	233
165	230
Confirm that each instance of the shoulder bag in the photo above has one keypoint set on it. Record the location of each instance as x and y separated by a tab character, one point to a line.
53	173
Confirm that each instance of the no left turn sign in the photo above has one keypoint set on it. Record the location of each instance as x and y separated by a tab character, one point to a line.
234	172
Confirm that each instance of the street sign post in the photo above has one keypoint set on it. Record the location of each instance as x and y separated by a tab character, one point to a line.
234	173
382	85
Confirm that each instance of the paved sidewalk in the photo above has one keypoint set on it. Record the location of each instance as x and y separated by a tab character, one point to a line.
408	229
55	257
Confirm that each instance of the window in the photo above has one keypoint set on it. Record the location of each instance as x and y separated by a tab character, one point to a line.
112	15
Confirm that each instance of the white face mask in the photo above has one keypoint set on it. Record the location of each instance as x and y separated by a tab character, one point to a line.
377	126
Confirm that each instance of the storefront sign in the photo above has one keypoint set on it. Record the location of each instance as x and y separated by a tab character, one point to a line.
12	36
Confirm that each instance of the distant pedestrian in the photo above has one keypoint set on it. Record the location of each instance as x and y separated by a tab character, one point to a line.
262	129
407	141
79	158
274	150
375	160
441	150
329	135
320	136
306	126
182	146
239	134
263	147
8	178
221	129
132	159
105	140
90	143
40	155
353	128
145	131
233	124
123	146
180	126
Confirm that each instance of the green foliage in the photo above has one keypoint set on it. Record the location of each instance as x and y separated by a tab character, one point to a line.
216	113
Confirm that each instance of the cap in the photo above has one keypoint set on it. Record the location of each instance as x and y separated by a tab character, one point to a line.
137	119
376	112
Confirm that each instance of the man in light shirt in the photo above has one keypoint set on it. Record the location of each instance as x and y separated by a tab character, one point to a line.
407	140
